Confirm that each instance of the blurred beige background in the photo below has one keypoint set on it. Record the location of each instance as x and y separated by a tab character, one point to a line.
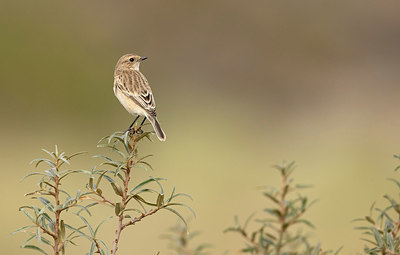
239	86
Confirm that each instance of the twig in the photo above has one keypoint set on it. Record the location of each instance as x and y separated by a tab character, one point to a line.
46	231
282	216
57	214
139	218
124	197
101	201
259	247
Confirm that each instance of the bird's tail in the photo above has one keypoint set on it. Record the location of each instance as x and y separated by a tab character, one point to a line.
156	126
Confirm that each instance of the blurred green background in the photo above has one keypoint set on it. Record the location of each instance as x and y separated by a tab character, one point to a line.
239	86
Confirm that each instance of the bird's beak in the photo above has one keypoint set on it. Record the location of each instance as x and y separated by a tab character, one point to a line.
143	58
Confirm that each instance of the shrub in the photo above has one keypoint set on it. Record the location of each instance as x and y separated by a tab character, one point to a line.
130	203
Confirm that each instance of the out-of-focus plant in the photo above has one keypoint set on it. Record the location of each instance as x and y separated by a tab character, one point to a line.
383	225
180	240
133	202
277	234
47	226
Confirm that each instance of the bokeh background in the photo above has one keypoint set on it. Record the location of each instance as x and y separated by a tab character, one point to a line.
239	86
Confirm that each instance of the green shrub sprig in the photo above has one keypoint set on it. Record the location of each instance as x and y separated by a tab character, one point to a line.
383	225
132	203
275	234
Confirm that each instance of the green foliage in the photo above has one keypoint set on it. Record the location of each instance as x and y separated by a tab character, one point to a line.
129	204
47	226
180	240
131	201
381	229
276	234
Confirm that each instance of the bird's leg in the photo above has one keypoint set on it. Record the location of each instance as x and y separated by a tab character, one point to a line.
140	131
130	127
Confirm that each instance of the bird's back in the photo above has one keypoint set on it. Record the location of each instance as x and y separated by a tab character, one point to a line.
134	84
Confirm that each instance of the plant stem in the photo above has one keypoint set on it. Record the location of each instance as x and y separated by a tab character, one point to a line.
143	215
124	197
282	209
57	214
258	246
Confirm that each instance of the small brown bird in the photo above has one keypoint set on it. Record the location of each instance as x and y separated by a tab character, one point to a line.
134	93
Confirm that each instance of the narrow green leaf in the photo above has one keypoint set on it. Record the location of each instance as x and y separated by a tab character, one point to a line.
160	200
103	157
91	182
99	179
41	160
395	181
231	229
172	194
105	246
118	208
64	160
92	248
76	154
145	163
236	221
62	230
117	189
101	223
137	197
159	184
177	214
248	220
31	174
75	231
33	247
99	192
22	229
182	194
378	237
308	223
304	186
317	249
28	240
391	243
76	171
271	197
370	220
50	153
28	214
146	182
85	208
180	204
39	235
87	225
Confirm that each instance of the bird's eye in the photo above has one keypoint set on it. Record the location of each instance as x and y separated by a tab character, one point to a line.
131	59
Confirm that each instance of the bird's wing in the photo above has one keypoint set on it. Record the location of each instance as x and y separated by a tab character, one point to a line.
134	85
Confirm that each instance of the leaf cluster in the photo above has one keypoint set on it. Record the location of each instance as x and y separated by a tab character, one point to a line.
275	234
381	228
132	203
47	224
180	241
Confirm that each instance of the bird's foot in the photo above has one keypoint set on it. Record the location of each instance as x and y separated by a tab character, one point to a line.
134	130
130	131
139	131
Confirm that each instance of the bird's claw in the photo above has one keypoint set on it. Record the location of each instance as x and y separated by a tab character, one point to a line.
131	131
139	131
134	130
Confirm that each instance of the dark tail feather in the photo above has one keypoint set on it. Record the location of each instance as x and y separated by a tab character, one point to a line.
156	126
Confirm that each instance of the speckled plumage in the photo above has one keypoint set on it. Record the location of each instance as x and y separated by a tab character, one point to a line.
133	91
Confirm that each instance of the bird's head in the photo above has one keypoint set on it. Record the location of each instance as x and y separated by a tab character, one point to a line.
130	61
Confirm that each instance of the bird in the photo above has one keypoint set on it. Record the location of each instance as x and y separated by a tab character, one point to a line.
134	93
